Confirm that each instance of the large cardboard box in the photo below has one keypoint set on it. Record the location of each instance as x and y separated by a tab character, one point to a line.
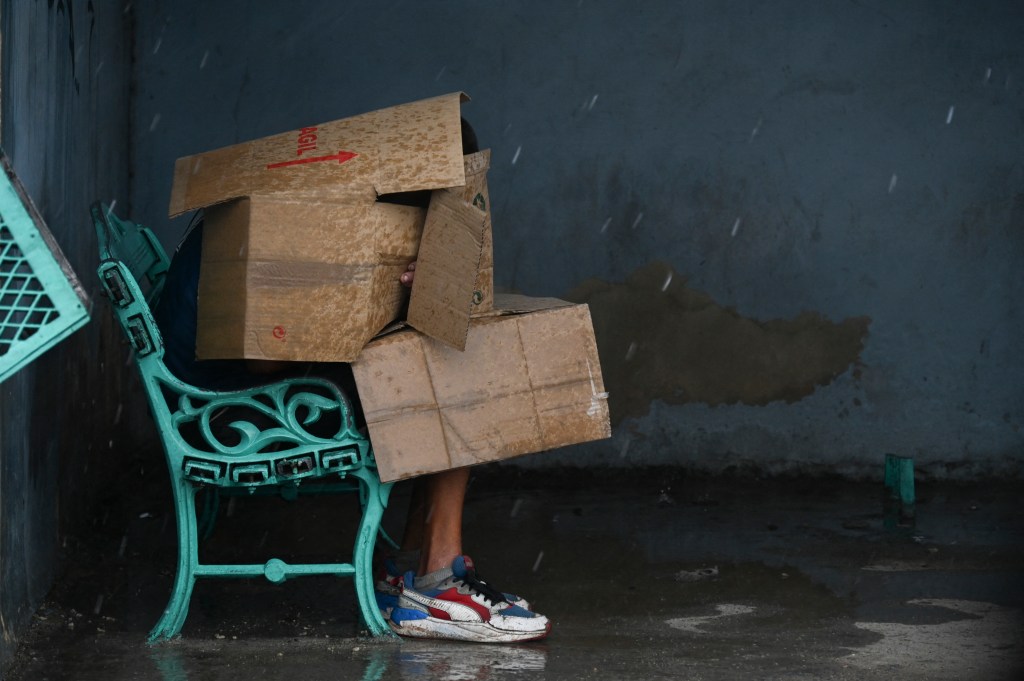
529	380
301	260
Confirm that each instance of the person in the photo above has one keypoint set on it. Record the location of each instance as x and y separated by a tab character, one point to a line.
429	589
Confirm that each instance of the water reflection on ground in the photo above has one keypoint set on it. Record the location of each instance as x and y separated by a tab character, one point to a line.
441	661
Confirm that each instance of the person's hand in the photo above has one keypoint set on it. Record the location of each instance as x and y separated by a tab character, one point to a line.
408	275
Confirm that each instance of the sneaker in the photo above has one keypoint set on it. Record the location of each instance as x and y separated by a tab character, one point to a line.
453	603
387	587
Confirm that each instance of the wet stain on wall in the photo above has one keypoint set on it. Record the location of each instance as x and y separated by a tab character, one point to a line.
662	340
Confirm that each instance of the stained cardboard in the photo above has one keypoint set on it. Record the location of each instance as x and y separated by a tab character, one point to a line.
525	383
267	292
399	149
300	259
446	268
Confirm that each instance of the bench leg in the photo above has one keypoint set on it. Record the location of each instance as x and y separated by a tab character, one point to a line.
375	498
188	556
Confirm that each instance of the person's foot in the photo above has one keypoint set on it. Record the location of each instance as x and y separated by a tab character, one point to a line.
454	603
387	587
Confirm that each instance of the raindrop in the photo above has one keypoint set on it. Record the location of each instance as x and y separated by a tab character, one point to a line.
263	540
231	506
98	69
156	119
117	415
110	209
593	101
735	226
110	444
430	513
639	217
156	48
988	74
202	64
892	183
99	605
143	516
668	280
515	508
631	351
124	545
536	564
624	449
198	163
1006	85
757	129
440	73
949	116
507	128
516	156
604	227
127	7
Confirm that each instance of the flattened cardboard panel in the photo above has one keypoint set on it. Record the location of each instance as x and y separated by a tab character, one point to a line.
486	408
494	429
415	151
408	442
404	148
493	365
446	268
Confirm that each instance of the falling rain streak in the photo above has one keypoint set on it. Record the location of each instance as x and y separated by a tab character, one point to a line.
515	157
735	226
639	217
515	508
604	227
668	280
892	183
949	116
631	351
156	120
202	64
536	564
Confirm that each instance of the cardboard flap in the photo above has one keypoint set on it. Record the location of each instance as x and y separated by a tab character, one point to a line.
402	148
446	268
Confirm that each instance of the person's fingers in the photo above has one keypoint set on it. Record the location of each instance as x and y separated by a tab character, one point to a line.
407	278
412	266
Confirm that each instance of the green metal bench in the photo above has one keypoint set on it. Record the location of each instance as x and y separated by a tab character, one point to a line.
311	442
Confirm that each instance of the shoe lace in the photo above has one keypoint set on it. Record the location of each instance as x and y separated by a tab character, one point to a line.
474	582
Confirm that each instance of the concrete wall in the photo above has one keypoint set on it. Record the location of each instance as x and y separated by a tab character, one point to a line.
65	86
798	224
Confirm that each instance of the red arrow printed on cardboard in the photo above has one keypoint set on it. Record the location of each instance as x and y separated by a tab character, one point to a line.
340	157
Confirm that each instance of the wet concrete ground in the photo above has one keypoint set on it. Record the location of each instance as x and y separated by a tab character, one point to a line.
651	576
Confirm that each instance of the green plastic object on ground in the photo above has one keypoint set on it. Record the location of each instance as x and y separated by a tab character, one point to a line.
41	301
286	437
900	503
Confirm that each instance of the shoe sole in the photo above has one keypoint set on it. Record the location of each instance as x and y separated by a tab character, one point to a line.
478	632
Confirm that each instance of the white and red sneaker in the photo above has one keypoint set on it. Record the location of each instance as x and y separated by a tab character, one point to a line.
453	603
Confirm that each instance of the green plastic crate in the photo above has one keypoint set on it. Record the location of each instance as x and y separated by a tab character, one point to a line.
41	299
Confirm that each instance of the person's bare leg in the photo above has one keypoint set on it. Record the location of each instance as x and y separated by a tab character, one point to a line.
412	536
442	525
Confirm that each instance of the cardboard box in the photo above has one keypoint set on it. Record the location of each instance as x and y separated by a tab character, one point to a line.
529	380
300	259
